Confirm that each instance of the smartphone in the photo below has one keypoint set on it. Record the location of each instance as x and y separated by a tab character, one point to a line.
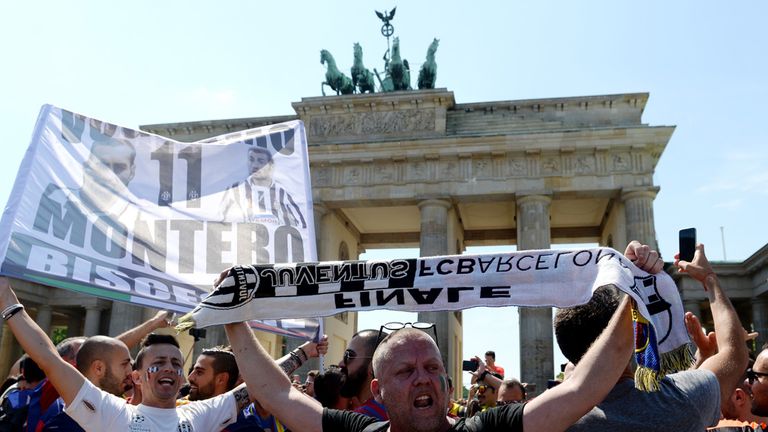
469	365
687	244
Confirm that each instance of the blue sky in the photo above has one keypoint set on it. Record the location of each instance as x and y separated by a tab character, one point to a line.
703	63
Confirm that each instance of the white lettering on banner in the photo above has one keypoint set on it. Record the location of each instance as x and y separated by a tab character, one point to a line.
112	279
252	242
151	288
56	263
48	261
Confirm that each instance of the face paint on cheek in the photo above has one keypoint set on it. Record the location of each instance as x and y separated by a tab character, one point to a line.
443	384
179	372
151	370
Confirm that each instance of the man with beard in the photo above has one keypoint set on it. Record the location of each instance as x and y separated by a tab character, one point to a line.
357	366
106	362
758	381
259	198
215	371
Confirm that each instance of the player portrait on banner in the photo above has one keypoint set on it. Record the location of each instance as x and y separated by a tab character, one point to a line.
260	198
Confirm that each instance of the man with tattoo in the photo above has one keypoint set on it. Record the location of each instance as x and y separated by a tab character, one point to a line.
159	371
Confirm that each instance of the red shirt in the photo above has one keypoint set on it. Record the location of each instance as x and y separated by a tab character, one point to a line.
495	369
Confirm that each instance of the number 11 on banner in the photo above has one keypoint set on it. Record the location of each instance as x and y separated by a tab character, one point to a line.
165	155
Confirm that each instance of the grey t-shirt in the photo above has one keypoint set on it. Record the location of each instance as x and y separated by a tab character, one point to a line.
687	401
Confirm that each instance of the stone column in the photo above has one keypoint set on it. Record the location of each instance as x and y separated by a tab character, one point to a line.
760	320
320	211
433	242
638	207
92	320
124	317
693	306
434	227
536	346
43	318
74	322
7	342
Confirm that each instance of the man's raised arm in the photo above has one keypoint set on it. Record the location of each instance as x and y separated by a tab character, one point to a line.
729	363
268	384
64	377
132	337
592	379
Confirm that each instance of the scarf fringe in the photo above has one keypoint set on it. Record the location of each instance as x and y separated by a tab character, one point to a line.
185	323
680	358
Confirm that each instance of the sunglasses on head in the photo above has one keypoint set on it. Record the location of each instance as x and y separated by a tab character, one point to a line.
392	327
753	376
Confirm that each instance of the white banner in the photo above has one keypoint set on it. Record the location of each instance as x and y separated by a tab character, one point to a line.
135	217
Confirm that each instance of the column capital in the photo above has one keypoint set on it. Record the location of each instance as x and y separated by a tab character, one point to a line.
528	198
639	192
435	202
320	209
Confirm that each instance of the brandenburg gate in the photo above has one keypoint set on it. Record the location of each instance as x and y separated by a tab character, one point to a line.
415	168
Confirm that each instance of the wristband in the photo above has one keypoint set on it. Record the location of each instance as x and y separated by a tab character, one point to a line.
482	375
304	353
297	358
11	310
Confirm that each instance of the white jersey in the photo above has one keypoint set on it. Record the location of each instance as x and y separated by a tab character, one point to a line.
97	410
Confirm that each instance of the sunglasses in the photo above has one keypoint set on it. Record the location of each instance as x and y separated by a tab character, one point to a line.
350	355
392	327
753	376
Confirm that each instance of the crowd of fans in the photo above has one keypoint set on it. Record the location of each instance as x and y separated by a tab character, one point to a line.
386	380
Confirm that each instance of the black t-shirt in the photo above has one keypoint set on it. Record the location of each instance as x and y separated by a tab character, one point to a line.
507	418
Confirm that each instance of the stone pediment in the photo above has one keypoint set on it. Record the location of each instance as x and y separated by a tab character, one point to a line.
376	117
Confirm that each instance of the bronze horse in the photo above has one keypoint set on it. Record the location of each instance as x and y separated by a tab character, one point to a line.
398	69
428	71
362	78
334	78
